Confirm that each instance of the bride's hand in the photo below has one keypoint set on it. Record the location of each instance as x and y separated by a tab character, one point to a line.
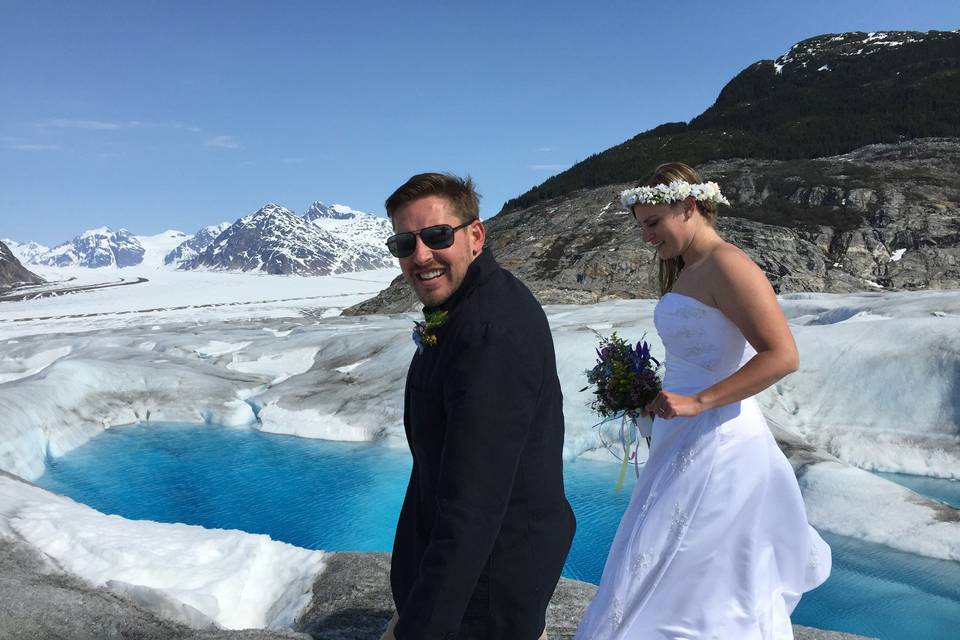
669	405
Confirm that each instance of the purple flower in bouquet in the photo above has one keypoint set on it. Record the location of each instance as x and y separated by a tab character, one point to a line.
625	377
626	381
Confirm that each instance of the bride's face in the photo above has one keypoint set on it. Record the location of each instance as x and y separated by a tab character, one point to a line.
663	227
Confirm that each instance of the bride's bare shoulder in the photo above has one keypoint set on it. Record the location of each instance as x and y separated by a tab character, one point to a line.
731	264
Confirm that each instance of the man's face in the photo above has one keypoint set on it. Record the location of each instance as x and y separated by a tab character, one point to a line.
435	274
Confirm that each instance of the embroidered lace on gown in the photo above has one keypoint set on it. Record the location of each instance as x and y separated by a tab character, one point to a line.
715	543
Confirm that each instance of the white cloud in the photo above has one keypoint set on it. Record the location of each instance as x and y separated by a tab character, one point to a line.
547	167
93	125
33	147
110	125
544	149
223	142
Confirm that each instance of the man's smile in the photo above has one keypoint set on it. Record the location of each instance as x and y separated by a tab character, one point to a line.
430	275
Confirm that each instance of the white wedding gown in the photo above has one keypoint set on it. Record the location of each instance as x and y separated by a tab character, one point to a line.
715	543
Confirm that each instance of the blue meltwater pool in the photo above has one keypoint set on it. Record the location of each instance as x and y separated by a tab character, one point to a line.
346	496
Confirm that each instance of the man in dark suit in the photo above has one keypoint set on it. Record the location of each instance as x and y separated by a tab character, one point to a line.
485	526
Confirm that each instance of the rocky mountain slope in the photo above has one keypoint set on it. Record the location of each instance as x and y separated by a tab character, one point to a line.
195	245
826	96
367	234
27	252
885	216
327	239
277	241
101	247
12	272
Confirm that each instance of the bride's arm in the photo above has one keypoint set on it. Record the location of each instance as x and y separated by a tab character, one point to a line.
741	291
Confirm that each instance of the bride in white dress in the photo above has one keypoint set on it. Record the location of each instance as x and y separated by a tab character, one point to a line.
715	543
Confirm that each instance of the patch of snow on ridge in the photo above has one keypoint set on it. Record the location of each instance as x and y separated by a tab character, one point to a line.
311	423
157	246
279	365
347	368
219	348
897	255
850	44
26	252
236	579
12	368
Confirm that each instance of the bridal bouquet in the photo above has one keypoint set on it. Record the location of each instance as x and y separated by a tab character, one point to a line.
626	380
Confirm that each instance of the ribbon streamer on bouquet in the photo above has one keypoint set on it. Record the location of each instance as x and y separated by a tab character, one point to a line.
629	438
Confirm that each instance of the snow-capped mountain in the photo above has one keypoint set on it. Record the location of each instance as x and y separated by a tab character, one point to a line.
327	239
158	246
321	211
194	245
817	53
361	229
27	252
101	247
277	241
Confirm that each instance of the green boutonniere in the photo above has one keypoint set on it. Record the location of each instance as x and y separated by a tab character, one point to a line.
424	333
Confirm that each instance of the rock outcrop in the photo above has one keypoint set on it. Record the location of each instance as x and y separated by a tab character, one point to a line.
827	95
885	216
40	602
351	601
12	273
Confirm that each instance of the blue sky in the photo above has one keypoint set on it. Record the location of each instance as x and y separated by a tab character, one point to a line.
176	114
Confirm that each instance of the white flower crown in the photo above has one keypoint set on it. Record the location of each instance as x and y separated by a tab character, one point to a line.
673	192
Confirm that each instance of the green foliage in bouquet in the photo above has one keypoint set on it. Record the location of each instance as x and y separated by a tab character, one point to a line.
625	376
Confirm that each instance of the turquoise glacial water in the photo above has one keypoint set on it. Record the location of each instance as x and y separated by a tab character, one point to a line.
346	496
947	491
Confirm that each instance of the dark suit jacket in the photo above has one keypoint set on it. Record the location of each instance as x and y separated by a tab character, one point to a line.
485	526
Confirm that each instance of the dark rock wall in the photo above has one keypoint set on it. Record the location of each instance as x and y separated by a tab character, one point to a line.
12	272
885	216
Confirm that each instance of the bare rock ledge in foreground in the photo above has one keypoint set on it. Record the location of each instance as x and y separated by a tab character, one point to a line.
351	601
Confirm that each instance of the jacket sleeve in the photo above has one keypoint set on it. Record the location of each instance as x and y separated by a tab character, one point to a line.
490	398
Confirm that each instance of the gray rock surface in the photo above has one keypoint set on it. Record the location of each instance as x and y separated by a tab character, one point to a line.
351	601
12	272
885	216
40	602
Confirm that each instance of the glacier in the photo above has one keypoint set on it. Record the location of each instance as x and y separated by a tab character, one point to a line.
878	389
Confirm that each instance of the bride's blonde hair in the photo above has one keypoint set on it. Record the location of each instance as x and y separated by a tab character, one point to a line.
670	268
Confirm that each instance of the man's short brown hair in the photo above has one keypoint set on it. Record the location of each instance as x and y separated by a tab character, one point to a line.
459	192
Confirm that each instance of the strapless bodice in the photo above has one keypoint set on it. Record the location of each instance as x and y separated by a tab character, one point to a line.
702	345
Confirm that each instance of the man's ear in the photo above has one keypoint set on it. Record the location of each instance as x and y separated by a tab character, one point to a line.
478	235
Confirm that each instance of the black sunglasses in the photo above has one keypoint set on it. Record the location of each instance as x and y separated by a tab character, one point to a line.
438	236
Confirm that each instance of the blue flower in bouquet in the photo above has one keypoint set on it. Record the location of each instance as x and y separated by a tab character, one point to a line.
626	381
625	376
